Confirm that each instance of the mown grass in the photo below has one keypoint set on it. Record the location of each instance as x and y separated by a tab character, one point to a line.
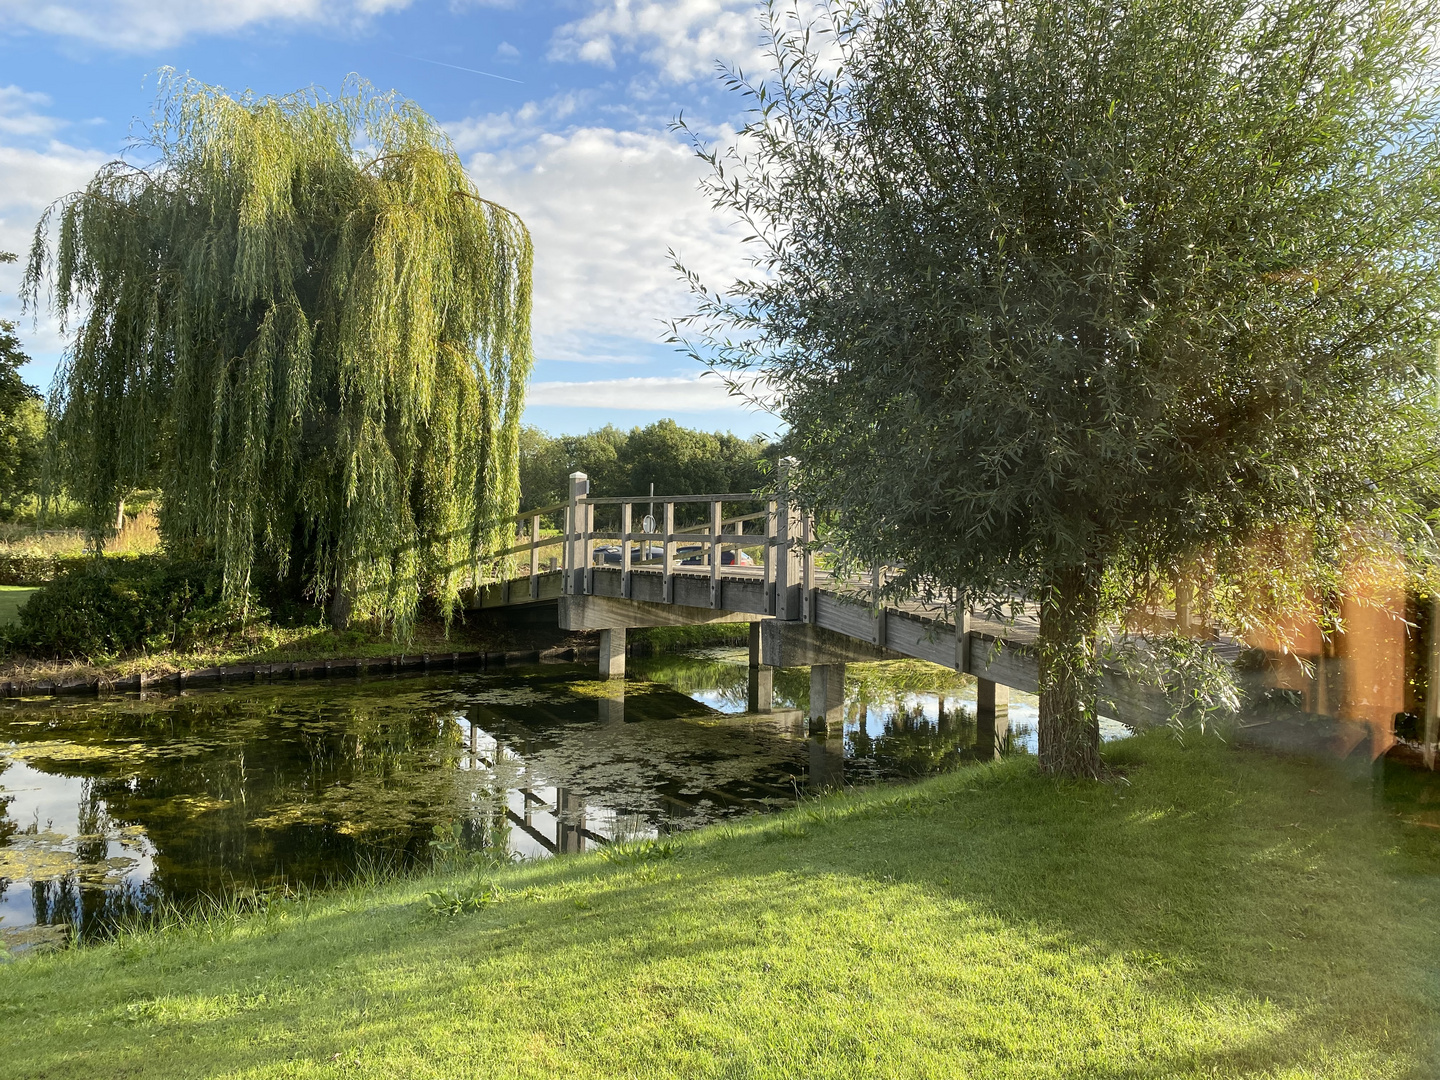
1219	913
12	599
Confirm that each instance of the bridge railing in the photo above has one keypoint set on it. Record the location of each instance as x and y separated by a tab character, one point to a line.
717	547
777	545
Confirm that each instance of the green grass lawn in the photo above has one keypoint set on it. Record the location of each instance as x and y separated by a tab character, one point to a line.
12	599
1221	913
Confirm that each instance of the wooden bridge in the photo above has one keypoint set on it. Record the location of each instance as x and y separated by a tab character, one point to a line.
759	566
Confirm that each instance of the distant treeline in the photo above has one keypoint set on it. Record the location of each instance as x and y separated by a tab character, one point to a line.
677	460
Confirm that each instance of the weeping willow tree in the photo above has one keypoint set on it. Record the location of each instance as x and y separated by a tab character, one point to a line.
302	320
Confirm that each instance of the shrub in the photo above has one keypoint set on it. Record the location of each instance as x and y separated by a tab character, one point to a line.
36	567
104	607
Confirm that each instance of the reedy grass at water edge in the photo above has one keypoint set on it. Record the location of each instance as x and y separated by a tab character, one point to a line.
1216	913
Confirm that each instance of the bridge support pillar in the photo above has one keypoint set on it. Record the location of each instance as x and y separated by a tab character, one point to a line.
827	760
612	653
760	695
827	695
761	688
992	717
612	703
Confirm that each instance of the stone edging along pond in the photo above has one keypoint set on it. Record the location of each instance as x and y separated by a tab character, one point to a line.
236	674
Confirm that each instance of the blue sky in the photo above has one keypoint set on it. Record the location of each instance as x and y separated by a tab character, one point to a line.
572	135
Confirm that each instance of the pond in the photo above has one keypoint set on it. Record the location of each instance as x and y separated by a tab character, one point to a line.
110	807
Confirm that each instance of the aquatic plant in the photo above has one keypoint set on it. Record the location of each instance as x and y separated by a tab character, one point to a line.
641	851
448	902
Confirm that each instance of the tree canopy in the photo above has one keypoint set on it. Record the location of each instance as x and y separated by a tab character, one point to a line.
298	316
22	423
1056	294
677	460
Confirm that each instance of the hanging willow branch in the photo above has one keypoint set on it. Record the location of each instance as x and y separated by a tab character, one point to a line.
320	357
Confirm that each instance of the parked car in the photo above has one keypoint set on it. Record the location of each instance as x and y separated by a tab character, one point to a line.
685	555
696	554
609	554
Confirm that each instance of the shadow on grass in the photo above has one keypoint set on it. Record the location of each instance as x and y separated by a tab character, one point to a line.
1221	913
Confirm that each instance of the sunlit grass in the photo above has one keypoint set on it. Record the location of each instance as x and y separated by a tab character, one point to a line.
27	540
140	535
1217	913
12	599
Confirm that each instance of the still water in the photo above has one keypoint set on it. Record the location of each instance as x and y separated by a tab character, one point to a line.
108	807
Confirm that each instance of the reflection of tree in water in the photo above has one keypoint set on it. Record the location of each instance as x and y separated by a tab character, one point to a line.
726	679
299	784
8	827
250	790
911	743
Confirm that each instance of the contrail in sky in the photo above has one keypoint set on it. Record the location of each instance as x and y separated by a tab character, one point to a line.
457	67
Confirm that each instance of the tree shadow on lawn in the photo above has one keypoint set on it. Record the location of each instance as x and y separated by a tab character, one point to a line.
1222	913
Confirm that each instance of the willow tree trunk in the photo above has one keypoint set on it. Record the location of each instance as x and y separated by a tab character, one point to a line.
1069	622
342	606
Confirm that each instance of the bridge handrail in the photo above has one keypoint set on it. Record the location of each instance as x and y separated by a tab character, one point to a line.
539	511
616	500
787	542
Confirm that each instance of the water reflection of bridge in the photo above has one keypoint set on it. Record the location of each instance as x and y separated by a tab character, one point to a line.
557	817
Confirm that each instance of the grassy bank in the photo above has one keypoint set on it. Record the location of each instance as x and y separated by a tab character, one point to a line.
270	644
1221	913
12	599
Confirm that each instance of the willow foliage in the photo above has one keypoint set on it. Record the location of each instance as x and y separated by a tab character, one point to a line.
303	321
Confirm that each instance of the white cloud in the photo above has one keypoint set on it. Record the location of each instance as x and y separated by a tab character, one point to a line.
20	113
35	170
147	24
681	38
659	394
604	206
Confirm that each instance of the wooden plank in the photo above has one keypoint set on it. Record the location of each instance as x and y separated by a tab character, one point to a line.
717	554
625	511
768	553
552	584
551	541
922	639
1004	663
647	585
1134	705
831	613
807	569
668	560
607	581
605	613
535	557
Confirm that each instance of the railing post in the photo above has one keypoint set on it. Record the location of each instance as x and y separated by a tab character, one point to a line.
768	555
575	534
534	556
717	553
807	570
625	513
788	604
877	612
962	635
669	545
588	516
